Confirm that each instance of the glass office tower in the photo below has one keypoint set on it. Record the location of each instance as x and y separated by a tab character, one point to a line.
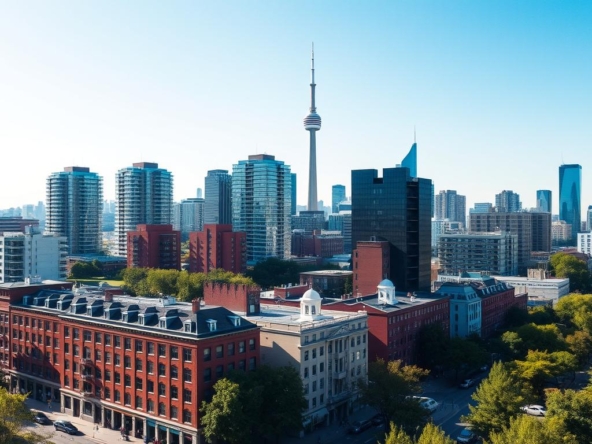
570	185
395	208
218	200
261	206
337	196
544	202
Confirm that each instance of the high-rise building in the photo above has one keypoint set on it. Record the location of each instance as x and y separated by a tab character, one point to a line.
188	216
75	209
337	196
410	160
312	124
261	206
154	246
543	201
482	207
533	231
342	222
294	181
395	208
16	224
570	186
451	206
144	195
218	201
309	221
589	218
507	202
32	254
217	246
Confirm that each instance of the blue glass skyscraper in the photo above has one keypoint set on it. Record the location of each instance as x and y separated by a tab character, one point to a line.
570	185
543	201
410	160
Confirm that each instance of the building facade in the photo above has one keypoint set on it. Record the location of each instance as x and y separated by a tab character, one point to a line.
217	246
144	195
395	208
30	254
337	196
585	243
261	205
342	222
496	253
451	206
541	290
309	221
154	246
16	224
544	201
218	198
188	216
570	203
561	231
508	202
75	209
371	263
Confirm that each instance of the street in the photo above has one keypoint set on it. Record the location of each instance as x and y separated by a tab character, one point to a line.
61	437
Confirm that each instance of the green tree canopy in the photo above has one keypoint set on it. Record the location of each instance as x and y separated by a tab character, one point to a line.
15	416
580	344
499	398
431	434
432	345
524	429
540	366
567	266
570	412
576	310
274	272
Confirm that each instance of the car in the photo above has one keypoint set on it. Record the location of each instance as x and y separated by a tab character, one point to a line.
467	383
65	426
41	418
466	436
427	403
359	427
534	409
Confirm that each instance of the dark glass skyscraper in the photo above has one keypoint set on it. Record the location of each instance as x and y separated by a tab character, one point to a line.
395	208
543	201
570	186
218	200
337	196
410	160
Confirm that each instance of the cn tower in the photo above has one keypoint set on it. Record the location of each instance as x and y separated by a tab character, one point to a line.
312	123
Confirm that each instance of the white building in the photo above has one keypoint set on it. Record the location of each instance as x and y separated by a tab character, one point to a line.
561	231
585	243
540	289
330	349
32	254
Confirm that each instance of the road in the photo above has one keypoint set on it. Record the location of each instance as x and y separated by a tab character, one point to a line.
61	437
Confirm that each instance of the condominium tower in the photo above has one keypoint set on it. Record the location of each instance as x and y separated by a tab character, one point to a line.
508	202
75	208
450	205
144	195
337	196
261	206
218	198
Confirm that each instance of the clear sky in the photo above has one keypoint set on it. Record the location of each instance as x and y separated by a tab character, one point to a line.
500	91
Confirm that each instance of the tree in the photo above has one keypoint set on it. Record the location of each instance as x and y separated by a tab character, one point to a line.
190	285
389	390
576	309
432	345
397	435
464	354
515	317
524	429
134	280
571	413
499	398
14	420
431	434
542	315
568	266
274	272
534	337
224	417
539	366
580	344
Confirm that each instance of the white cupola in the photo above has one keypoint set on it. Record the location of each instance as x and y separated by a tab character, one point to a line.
310	306
386	293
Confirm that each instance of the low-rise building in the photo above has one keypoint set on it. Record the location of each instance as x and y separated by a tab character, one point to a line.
329	283
542	290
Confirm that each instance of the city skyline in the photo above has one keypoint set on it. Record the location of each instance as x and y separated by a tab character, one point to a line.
498	92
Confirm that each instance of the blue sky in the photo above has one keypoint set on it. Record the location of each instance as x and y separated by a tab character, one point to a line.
500	91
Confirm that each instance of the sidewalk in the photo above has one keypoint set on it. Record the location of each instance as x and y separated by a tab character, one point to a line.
103	435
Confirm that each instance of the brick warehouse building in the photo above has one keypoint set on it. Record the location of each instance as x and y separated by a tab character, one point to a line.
154	246
144	364
217	246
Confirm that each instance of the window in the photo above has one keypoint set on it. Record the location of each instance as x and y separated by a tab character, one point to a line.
127	343
150	365
186	416
174	352
187	375
241	347
174	392
127	380
219	351
67	364
150	386
67	332
117	340
139	365
162	350
98	338
322	350
107	392
161	389
321	367
252	363
314	353
108	340
174	372
314	369
139	346
56	342
76	350
161	409
161	369
314	386
252	344
186	395
207	374
150	347
98	355
231	349
187	355
306	372
107	375
117	378
67	347
117	359
127	360
306	355
230	367
76	334
241	365
138	402
174	413
207	354
219	371
151	406
108	357
117	396
67	381
87	335
127	399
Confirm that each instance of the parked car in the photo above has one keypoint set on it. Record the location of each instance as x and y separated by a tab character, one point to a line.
427	403
359	426
65	426
41	418
534	409
466	436
468	383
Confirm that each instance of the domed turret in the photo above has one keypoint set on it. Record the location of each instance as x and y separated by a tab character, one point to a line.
310	306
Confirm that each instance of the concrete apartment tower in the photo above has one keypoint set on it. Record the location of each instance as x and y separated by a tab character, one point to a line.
75	209
144	195
312	124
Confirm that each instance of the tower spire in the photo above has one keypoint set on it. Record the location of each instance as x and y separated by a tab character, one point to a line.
312	124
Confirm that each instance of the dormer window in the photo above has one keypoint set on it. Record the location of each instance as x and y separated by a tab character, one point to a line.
88	311
141	319
189	327
162	323
235	320
125	317
211	324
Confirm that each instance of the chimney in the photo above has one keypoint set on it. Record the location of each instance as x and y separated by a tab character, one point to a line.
195	305
108	296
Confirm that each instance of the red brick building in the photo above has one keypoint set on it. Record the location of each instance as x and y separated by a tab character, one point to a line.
235	297
370	264
217	246
139	363
154	246
496	299
319	243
